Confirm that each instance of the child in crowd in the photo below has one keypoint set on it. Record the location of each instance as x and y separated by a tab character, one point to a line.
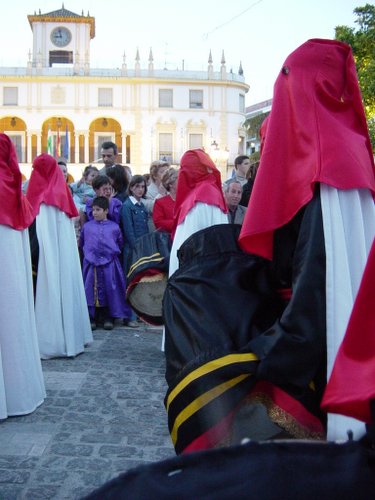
134	217
101	241
118	176
83	190
102	187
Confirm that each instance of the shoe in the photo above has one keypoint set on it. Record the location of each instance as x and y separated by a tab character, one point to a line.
93	325
108	324
132	324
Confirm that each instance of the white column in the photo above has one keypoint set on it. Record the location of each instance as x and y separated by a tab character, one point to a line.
123	146
38	143
76	146
29	146
86	134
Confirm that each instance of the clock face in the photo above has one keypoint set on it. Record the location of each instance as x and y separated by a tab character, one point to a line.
61	36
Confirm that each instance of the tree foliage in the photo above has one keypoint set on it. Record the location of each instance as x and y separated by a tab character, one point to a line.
252	125
362	41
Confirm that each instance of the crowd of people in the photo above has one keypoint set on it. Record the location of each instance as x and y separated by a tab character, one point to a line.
82	237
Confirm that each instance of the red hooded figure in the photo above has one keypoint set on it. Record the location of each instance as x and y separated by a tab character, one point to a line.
21	378
316	133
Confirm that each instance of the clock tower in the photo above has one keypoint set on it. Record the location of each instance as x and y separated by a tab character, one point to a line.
62	37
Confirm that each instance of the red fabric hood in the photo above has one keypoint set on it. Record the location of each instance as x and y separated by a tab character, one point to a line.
198	181
316	133
17	212
47	185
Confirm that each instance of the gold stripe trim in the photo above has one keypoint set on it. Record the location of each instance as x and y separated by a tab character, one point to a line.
211	366
201	401
142	260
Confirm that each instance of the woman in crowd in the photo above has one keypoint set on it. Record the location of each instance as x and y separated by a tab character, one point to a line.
163	212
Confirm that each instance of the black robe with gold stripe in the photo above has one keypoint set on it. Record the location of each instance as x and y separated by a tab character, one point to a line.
232	339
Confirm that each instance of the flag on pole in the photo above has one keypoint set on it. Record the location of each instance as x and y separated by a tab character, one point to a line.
66	144
49	142
58	143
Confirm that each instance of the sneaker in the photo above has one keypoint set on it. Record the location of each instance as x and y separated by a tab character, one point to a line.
93	325
132	324
108	324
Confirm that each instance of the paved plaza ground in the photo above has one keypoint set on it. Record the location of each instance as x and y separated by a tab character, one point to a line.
103	415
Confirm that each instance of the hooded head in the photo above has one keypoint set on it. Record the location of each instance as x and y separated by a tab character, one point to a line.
198	181
47	185
316	133
16	211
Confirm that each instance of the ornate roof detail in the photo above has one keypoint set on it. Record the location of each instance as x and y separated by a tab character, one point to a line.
210	58
62	13
63	16
240	70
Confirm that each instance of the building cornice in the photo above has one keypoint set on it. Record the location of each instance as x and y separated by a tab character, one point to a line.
45	18
123	80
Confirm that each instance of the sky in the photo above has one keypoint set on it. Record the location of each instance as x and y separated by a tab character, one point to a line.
258	33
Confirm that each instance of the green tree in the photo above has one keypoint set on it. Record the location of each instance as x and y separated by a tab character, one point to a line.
362	41
252	126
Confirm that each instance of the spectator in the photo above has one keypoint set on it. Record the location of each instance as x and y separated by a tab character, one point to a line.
134	217
156	188
101	242
108	153
119	179
82	190
102	187
248	187
241	167
62	163
163	213
232	194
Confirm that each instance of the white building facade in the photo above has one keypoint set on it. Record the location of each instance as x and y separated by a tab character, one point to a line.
149	113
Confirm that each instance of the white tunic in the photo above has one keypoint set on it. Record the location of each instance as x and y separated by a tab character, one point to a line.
62	317
349	229
21	379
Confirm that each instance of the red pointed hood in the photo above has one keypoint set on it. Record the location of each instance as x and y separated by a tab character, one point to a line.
17	212
47	185
198	181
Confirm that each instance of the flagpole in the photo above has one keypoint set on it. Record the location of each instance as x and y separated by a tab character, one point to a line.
58	143
49	141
